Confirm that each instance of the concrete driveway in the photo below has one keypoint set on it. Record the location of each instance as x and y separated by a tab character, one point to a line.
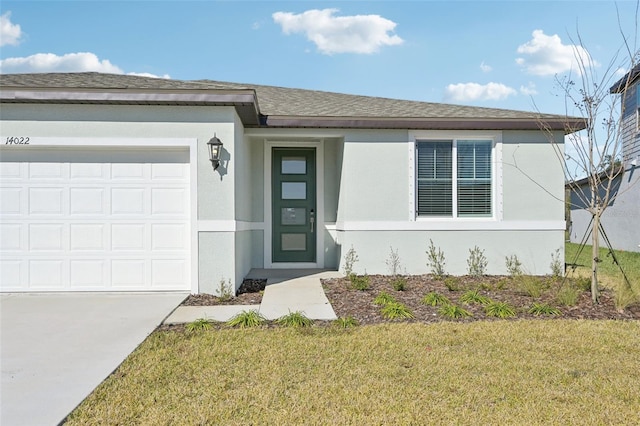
56	348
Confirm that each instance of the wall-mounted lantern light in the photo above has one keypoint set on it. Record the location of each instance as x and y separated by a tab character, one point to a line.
215	149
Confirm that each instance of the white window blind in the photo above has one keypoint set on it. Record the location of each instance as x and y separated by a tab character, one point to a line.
454	178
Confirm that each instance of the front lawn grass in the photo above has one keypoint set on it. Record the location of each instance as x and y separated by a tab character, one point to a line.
487	372
609	272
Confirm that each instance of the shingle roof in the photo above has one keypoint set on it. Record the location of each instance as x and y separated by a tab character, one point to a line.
277	106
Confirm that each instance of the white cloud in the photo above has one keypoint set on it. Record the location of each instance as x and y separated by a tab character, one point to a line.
466	92
146	74
10	33
529	89
70	62
340	34
49	62
546	55
485	68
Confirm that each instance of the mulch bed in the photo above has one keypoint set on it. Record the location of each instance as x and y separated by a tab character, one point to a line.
359	304
348	302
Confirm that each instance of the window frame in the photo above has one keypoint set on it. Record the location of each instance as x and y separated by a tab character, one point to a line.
496	174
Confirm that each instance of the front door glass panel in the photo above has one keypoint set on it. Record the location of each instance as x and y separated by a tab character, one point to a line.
294	190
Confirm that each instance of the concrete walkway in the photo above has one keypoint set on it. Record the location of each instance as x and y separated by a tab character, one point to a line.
56	348
287	291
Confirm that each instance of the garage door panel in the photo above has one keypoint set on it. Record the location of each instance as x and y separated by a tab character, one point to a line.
88	273
87	237
46	237
167	273
87	224
47	201
127	237
87	201
46	274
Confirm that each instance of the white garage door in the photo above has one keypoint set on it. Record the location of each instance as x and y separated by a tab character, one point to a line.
94	220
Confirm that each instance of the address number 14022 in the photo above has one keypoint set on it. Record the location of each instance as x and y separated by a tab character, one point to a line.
16	140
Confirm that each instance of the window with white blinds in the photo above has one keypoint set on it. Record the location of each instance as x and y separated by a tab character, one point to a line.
454	178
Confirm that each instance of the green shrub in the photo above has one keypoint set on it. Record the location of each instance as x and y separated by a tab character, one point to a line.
499	310
435	299
582	283
350	258
360	282
477	262
396	310
200	324
393	262
225	291
543	309
452	283
568	295
435	260
531	286
453	311
557	265
514	267
399	283
383	299
345	322
472	297
246	319
295	319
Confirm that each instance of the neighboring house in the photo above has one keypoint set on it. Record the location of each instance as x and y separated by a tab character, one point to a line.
621	219
107	183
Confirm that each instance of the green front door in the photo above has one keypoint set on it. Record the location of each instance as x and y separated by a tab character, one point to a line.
294	204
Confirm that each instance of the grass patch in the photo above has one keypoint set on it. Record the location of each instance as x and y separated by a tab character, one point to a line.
383	298
531	286
453	312
521	372
360	282
473	297
543	309
247	319
345	322
396	310
435	299
201	324
499	310
295	319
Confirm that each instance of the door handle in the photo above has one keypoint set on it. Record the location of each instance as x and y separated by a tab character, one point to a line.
312	219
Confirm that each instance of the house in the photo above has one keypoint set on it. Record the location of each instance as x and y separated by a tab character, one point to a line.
620	219
107	183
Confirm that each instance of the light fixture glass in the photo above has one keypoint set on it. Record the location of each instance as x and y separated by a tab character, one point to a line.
215	149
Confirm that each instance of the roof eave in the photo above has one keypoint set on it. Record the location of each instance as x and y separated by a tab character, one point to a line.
568	125
245	101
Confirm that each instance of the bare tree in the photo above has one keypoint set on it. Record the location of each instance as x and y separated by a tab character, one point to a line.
600	100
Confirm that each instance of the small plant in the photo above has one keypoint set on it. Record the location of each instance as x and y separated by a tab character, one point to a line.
246	319
514	267
453	312
361	283
499	310
435	260
531	286
393	262
583	283
473	297
543	309
568	295
477	262
452	283
557	266
201	324
623	296
225	292
399	284
349	260
345	322
295	319
383	299
395	310
435	299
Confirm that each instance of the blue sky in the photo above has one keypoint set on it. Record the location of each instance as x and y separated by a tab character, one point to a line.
498	54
